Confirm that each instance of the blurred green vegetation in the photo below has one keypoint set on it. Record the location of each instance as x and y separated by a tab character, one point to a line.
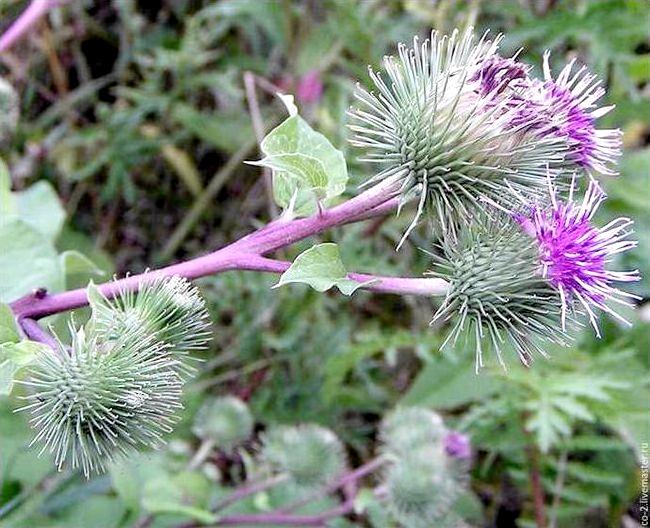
129	112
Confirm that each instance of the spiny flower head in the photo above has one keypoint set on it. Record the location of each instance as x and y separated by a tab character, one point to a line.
406	428
101	398
311	455
226	420
170	308
442	126
575	253
423	478
419	490
497	295
566	107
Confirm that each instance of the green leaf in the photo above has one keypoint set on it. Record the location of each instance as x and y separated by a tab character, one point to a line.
225	131
321	267
547	422
75	263
40	207
97	511
28	260
306	167
8	328
297	173
13	358
182	494
445	384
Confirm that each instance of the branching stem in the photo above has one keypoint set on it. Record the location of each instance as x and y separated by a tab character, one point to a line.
247	254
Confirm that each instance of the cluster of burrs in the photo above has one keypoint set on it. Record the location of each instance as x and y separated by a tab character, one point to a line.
118	385
494	157
422	465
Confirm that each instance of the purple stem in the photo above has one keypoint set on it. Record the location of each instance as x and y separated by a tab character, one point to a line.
401	285
246	254
346	481
248	490
283	517
28	18
34	332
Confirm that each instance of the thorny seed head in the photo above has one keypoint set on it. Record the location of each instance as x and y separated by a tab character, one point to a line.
407	428
171	309
102	397
225	420
423	478
497	294
442	124
311	455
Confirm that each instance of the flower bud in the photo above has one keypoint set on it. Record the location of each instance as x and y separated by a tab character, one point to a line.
497	295
311	455
102	398
171	309
457	445
407	428
226	421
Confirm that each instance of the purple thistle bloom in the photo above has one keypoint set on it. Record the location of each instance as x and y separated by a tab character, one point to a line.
574	252
497	73
457	445
566	108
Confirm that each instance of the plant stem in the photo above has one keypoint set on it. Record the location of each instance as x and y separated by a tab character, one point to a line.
248	490
246	254
283	517
536	486
346	479
33	331
258	128
378	284
27	19
201	454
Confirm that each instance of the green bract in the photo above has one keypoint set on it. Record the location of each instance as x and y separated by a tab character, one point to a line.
311	455
226	421
497	293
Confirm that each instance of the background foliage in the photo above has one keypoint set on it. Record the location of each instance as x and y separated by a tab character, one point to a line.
134	123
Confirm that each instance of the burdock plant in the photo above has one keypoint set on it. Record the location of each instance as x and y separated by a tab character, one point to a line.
492	156
444	123
118	386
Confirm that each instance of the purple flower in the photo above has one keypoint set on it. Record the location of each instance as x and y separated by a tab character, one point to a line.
566	108
497	73
575	253
457	445
310	87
